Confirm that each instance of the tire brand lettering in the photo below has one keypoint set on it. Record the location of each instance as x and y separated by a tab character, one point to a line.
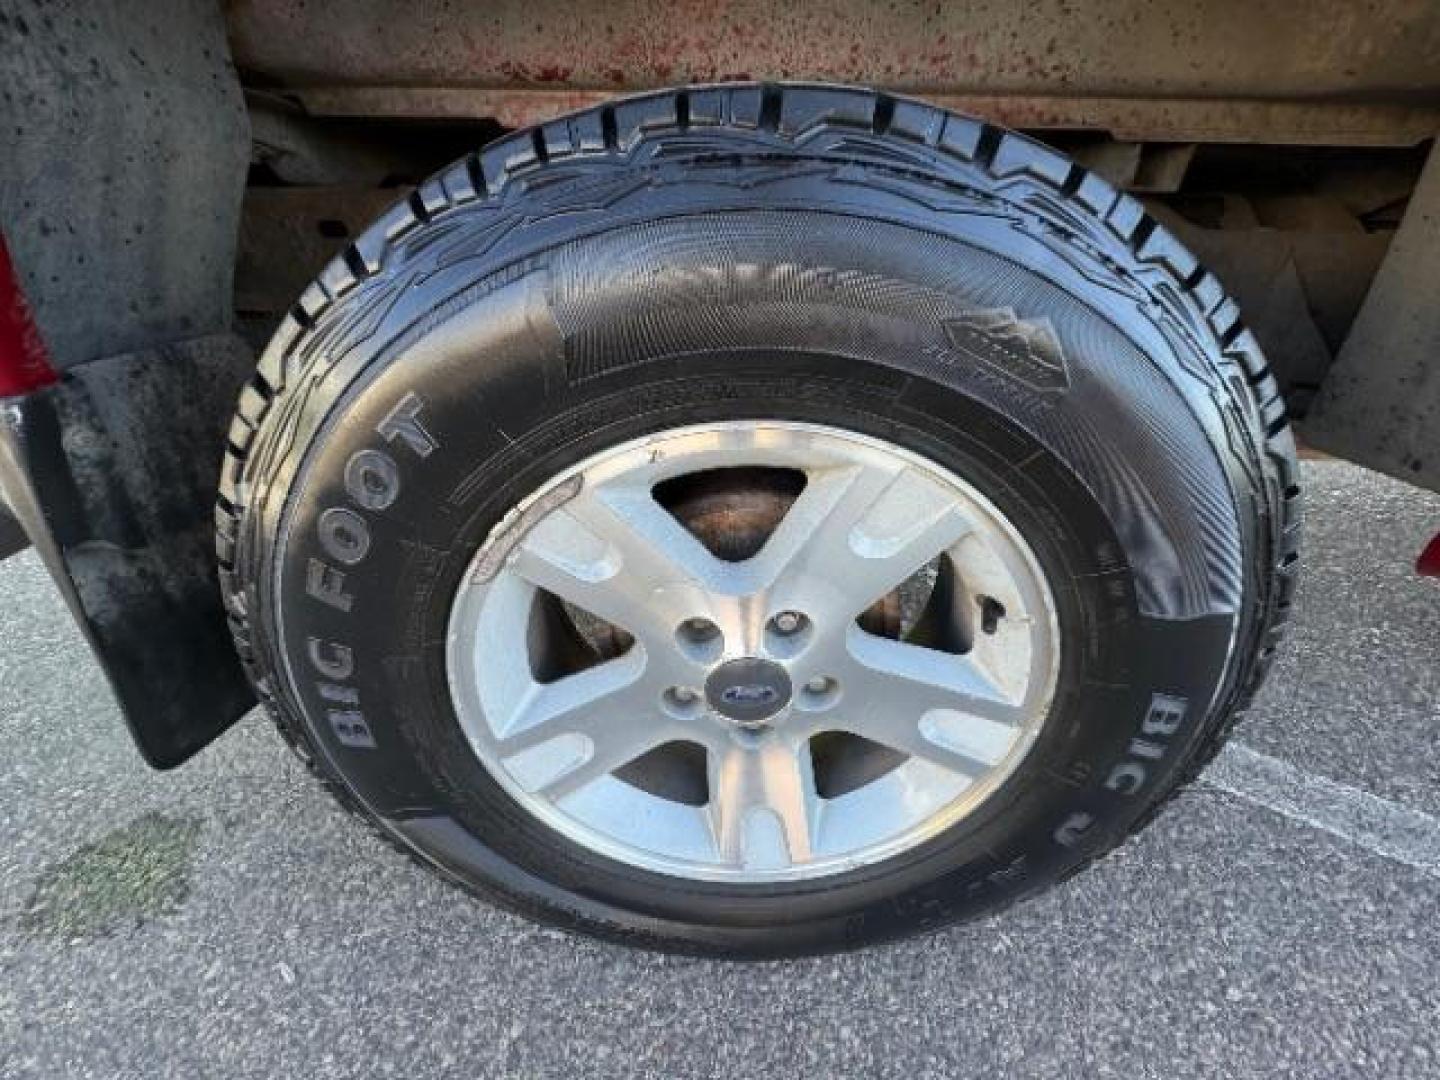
326	584
373	479
372	483
341	695
1162	720
404	424
348	724
350	728
338	665
1127	778
1165	716
344	535
1073	829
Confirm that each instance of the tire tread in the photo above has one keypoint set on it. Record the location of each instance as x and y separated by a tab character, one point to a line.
792	112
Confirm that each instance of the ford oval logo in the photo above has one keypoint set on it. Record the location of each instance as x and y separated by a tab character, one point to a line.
749	694
748	690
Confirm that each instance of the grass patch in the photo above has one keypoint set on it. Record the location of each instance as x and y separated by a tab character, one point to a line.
128	876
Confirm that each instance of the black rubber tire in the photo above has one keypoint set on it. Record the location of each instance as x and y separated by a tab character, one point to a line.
747	252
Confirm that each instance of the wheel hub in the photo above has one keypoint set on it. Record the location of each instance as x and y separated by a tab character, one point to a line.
750	691
752	651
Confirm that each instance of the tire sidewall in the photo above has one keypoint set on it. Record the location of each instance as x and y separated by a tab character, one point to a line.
1134	498
1079	789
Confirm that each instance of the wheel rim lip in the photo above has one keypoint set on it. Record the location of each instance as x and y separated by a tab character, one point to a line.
462	641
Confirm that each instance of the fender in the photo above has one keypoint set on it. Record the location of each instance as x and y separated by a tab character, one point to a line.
118	371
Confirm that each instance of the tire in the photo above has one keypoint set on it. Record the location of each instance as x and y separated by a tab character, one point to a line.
809	258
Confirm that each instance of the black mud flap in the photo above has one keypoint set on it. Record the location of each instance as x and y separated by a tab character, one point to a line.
112	474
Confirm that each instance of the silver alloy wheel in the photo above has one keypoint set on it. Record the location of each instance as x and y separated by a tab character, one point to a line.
749	664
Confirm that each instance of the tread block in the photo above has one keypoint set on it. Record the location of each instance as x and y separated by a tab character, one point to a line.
745	106
1247	350
508	155
227	524
252	406
918	122
391	225
313	301
1209	292
1290	537
556	136
1162	247
229	480
459	183
432	196
803	109
1125	217
242	430
287	336
230	587
1016	155
707	107
271	365
961	136
587	133
634	118
371	244
1283	445
1096	194
337	278
1225	316
1272	409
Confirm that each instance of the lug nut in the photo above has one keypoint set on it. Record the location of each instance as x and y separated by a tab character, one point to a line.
681	702
787	622
820	692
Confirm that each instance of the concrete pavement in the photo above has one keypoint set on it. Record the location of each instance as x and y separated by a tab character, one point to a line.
1279	919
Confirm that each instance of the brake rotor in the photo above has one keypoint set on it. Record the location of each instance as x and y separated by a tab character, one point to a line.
733	512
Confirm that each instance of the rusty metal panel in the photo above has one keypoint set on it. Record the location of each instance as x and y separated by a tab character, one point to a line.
1331	71
1380	403
121	168
1155	119
287	235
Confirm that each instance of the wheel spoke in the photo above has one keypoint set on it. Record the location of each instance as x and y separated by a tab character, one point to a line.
861	530
571	732
756	661
891	686
620	556
764	808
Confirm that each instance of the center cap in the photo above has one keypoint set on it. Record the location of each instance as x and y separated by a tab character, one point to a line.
749	690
